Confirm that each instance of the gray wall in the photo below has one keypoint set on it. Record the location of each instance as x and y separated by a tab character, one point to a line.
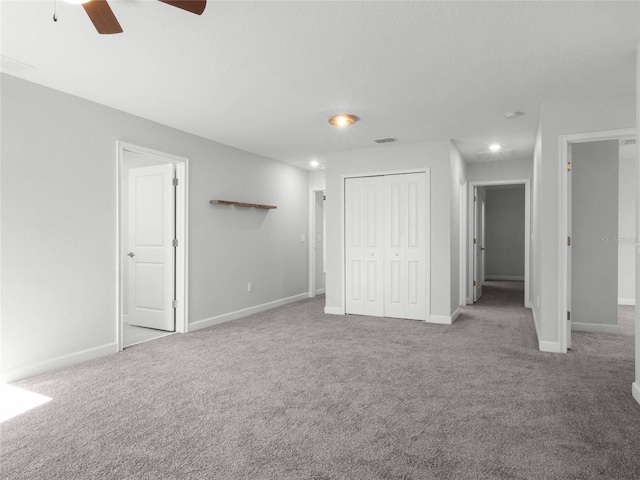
594	230
504	232
59	232
627	226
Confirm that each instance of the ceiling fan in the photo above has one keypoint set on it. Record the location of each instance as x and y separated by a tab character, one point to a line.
106	22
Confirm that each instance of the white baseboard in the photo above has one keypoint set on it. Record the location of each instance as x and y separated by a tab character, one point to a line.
59	362
504	277
551	347
455	315
320	291
227	317
333	311
440	319
595	328
635	391
627	301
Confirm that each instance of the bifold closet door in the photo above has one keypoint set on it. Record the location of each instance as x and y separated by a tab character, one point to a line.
405	253
364	245
386	246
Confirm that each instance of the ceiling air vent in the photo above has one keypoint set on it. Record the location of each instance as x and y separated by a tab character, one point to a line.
386	140
627	141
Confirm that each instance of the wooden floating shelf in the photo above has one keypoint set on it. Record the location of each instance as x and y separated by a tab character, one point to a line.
242	204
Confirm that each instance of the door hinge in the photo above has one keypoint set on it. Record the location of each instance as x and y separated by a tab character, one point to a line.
568	166
174	304
474	240
175	182
474	283
568	241
175	242
568	315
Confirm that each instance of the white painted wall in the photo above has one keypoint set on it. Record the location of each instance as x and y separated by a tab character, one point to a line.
556	120
536	262
58	220
433	155
636	385
627	226
505	232
500	170
458	181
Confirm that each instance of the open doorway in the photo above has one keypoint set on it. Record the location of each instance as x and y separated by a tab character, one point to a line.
499	242
598	221
152	216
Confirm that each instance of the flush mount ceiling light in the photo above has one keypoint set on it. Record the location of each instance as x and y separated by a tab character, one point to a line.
495	147
343	120
314	163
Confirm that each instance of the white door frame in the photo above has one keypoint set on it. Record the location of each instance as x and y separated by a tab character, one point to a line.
182	198
462	234
312	241
343	236
565	142
527	231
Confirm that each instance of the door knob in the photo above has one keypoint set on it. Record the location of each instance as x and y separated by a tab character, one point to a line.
131	254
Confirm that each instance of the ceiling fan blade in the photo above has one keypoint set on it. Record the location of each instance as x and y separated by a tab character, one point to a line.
102	16
193	6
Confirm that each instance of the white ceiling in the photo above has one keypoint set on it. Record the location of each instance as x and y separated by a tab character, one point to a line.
265	76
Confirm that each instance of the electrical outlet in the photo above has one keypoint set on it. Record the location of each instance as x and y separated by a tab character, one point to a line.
250	287
303	238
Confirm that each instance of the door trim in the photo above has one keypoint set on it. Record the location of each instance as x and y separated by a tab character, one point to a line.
312	243
182	210
564	142
343	236
527	232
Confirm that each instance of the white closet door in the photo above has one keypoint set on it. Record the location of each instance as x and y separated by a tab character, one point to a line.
406	244
364	245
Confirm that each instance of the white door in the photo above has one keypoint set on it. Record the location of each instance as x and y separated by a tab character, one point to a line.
478	235
386	246
405	246
151	252
364	246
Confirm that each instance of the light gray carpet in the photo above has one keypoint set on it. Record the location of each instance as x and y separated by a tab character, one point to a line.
296	394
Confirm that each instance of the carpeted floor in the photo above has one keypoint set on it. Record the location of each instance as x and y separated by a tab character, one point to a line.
296	394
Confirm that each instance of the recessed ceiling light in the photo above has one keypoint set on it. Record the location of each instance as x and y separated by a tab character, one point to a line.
495	147
343	120
314	163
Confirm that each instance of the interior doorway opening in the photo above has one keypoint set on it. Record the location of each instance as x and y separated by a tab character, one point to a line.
498	240
598	233
152	245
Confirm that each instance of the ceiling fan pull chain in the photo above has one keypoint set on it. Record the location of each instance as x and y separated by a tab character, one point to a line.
55	4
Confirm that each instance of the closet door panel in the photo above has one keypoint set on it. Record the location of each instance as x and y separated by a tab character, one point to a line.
405	246
364	245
